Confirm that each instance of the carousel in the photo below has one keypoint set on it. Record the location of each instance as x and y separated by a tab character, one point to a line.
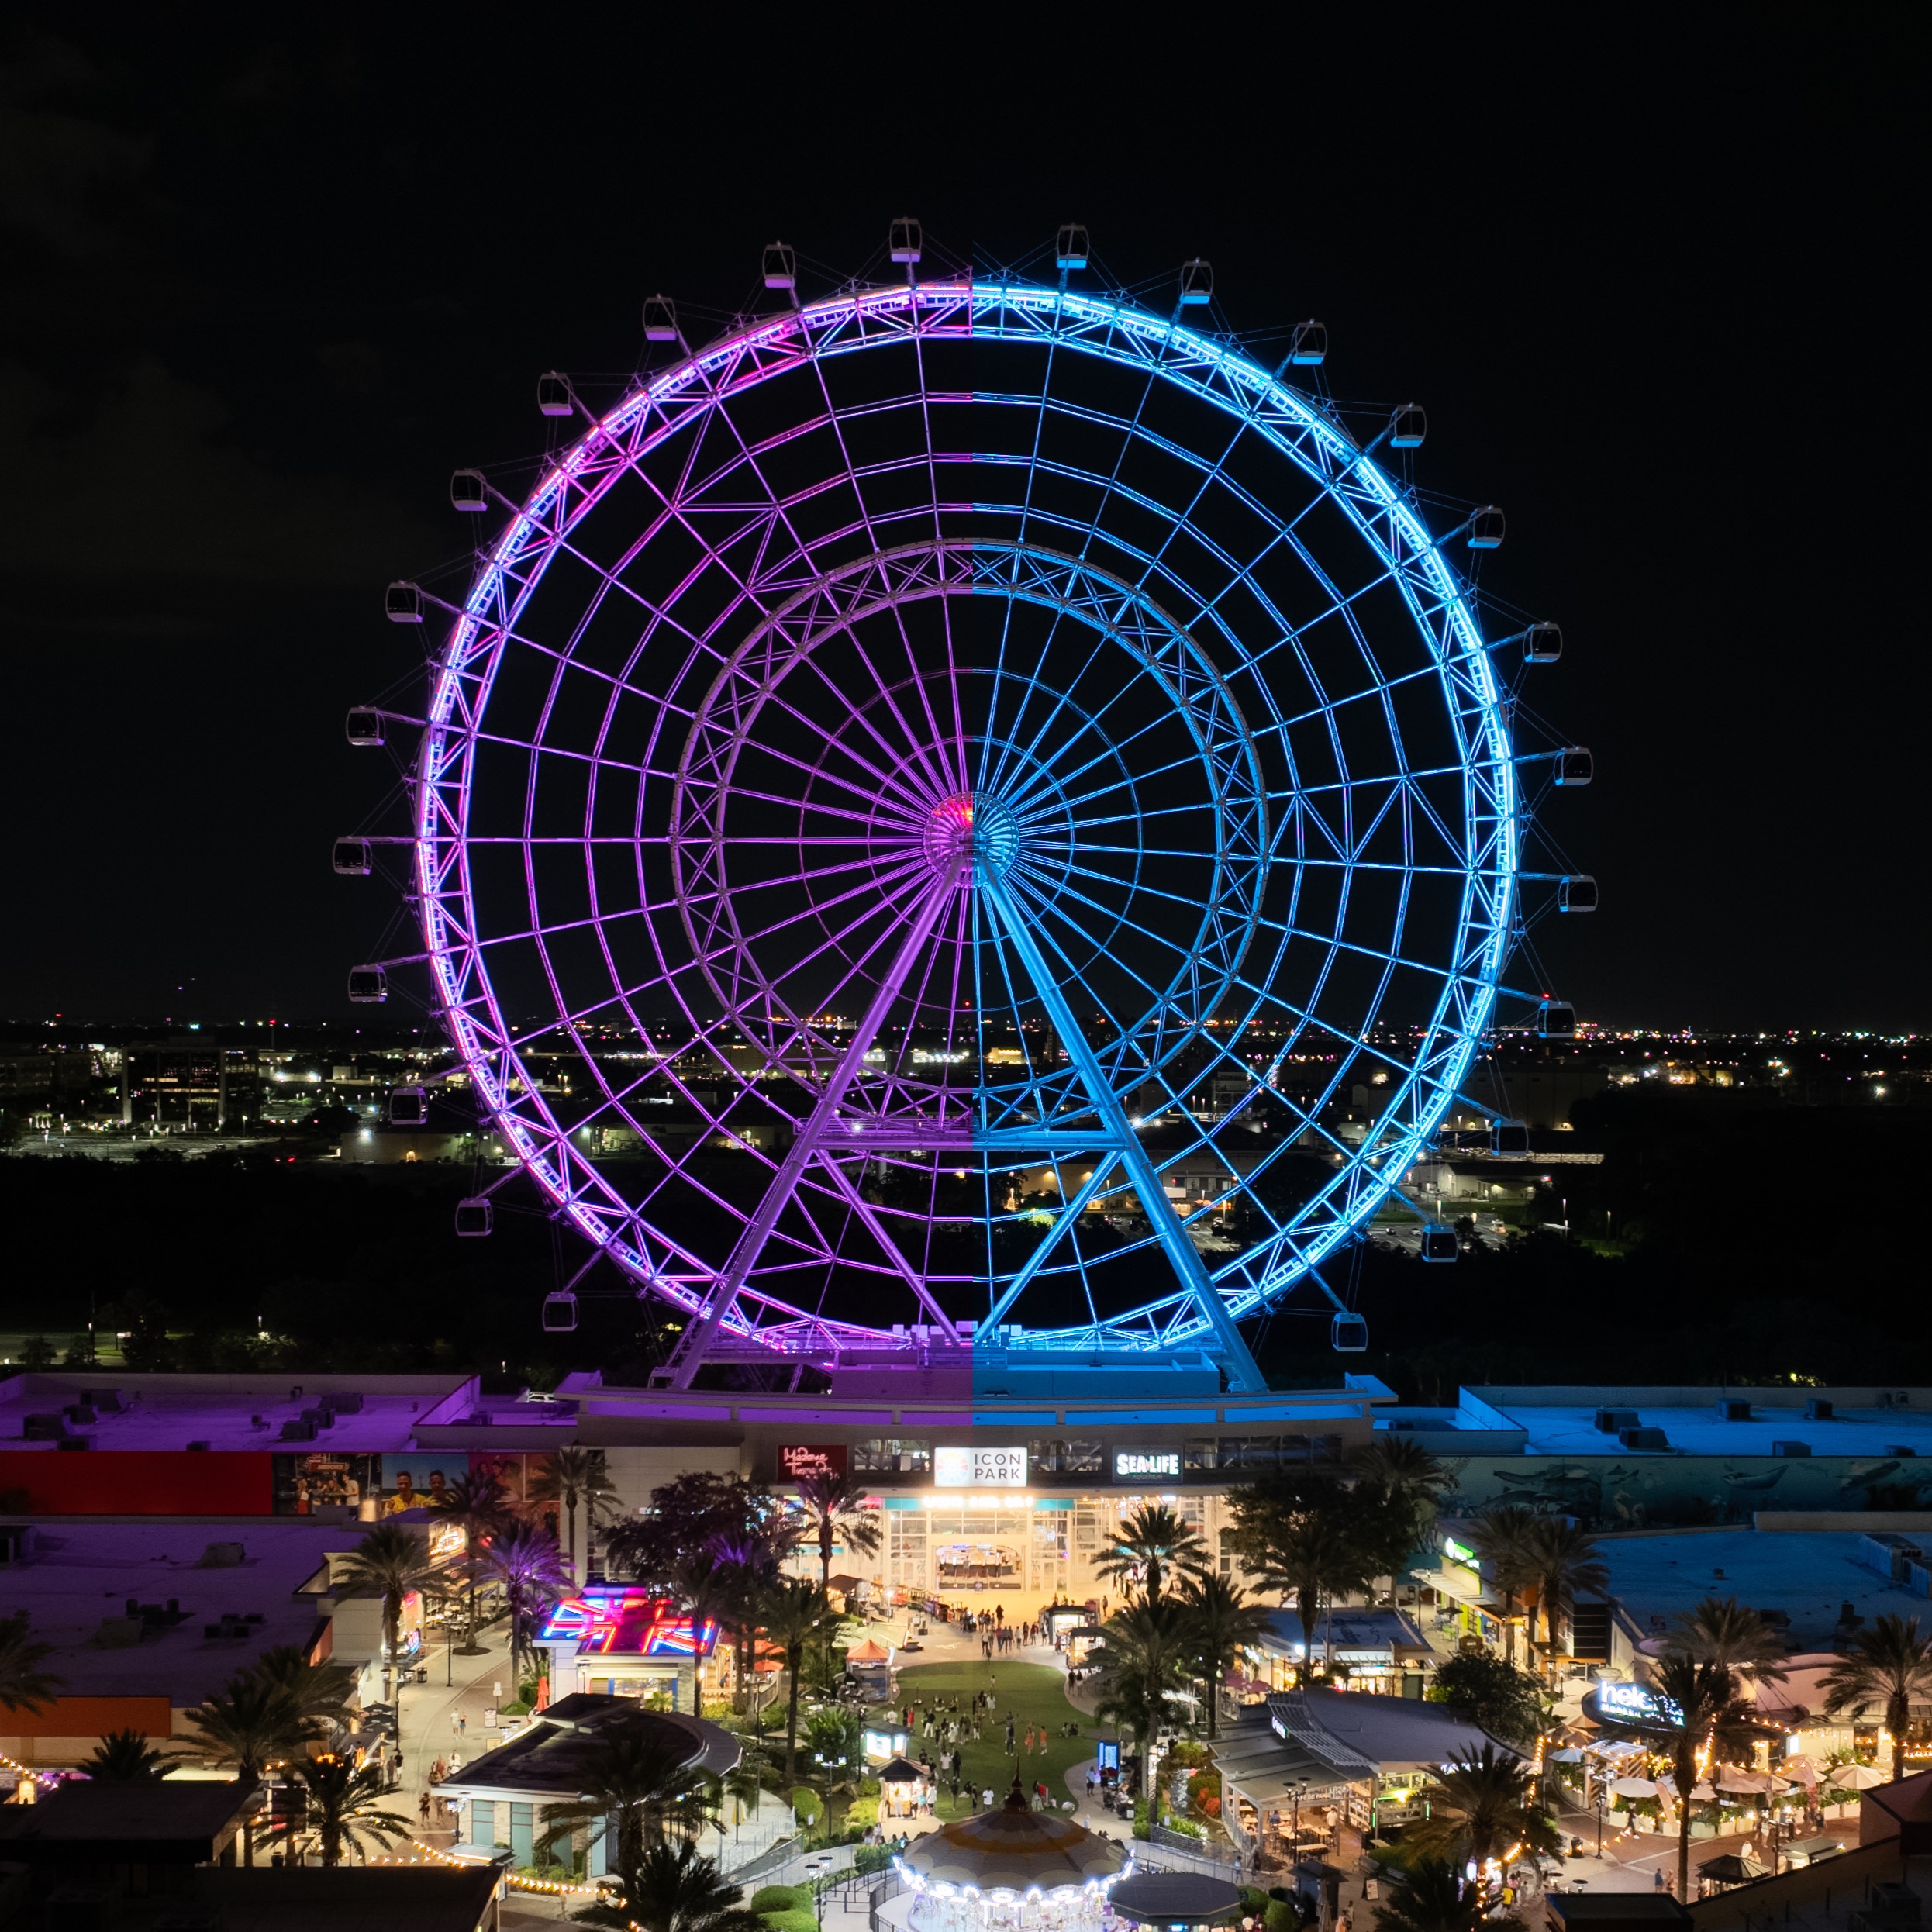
1011	1870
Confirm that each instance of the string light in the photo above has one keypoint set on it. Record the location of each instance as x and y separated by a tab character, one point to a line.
551	1888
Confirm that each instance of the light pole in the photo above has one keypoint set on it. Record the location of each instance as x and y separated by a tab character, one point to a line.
816	1867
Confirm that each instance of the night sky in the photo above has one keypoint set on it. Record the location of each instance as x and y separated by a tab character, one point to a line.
262	289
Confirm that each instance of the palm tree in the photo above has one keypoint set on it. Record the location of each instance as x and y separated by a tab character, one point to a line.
23	1684
125	1758
252	1724
479	1508
834	1509
1890	1664
531	1569
1307	1542
794	1611
1503	1537
1220	1620
1430	1897
1482	1803
675	1889
1144	1656
320	1691
1720	1630
1563	1559
1698	1711
343	1806
1154	1541
570	1478
636	1785
390	1561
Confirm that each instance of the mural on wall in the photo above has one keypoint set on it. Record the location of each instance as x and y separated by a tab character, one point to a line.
1641	1492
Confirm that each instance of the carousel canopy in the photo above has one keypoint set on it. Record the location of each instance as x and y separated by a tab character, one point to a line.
1176	1898
1013	1849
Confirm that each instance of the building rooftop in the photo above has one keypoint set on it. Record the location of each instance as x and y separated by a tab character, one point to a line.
545	1758
1352	1631
1871	1423
1809	1575
82	1575
187	1821
170	1412
1385	1733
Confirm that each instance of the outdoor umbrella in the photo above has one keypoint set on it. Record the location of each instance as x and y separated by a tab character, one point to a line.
1700	1794
1731	1868
1731	1779
1633	1787
1569	1754
1856	1777
1801	1768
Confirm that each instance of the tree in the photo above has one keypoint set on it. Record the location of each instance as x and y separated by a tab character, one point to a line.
479	1507
252	1724
1563	1559
1698	1710
1143	1659
1154	1544
574	1477
125	1758
343	1806
834	1509
391	1560
676	1889
1481	1804
1430	1897
1220	1620
1491	1693
1889	1665
795	1610
1721	1631
36	1352
23	1684
1403	1481
636	1785
531	1570
1306	1538
1501	1538
730	1519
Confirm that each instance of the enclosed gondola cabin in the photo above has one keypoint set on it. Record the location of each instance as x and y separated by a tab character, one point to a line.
1407	426
363	727
1197	283
1348	1334
1439	1243
1556	1019
468	491
780	266
472	1217
1509	1138
906	241
1070	247
409	1107
553	394
354	858
402	603
368	985
1308	347
1543	644
661	319
559	1312
1576	894
1486	529
1574	766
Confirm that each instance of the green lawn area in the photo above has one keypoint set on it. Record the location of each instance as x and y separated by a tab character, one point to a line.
1030	1693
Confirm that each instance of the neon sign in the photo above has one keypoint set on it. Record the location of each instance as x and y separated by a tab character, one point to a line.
626	1623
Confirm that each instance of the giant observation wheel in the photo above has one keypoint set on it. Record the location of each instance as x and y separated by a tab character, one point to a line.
966	817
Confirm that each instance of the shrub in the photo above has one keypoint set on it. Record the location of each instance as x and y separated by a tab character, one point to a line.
779	1898
801	1919
871	1858
863	1812
1141	1829
1282	1917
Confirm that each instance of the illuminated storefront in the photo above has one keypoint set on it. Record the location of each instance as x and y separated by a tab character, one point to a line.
626	1643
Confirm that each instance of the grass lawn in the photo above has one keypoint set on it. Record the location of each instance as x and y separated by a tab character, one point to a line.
1030	1693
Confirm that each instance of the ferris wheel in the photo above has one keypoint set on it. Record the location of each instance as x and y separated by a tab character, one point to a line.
969	817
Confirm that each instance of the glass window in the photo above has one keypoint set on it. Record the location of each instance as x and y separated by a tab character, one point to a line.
894	1455
1060	1456
1197	1454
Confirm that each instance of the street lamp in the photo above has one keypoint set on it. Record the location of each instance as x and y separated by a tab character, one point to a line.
815	1868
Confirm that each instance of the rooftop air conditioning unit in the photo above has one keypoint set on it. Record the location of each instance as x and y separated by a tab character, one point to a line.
1791	1448
1818	1410
1643	1439
1729	1410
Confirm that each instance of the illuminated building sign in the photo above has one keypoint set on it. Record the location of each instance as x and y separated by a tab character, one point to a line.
1106	1754
798	1459
1631	1704
1146	1465
624	1622
885	1745
956	1466
1460	1552
447	1541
